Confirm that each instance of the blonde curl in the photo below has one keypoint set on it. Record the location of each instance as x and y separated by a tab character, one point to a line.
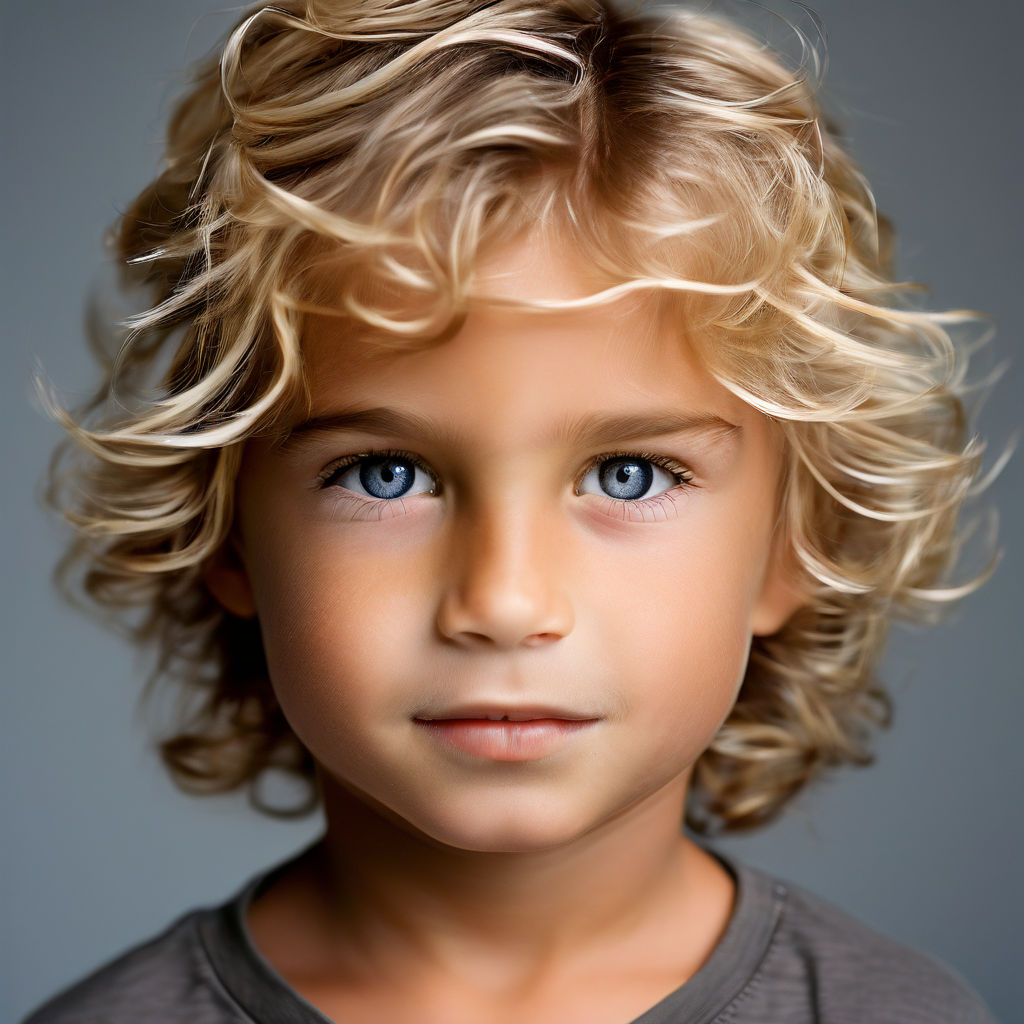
395	140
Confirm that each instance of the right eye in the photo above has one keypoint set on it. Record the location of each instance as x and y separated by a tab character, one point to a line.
382	477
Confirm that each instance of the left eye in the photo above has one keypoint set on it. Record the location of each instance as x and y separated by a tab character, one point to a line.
383	477
627	479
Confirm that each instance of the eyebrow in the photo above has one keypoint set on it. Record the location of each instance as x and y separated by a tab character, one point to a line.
370	421
598	428
585	431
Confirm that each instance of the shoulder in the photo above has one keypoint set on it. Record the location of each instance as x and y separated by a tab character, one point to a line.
852	974
167	978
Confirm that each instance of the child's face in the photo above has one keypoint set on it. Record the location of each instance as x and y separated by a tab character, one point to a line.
481	568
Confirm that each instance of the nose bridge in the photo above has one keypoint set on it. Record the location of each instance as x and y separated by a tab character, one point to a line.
504	584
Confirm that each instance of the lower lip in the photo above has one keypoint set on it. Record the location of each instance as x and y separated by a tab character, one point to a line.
505	741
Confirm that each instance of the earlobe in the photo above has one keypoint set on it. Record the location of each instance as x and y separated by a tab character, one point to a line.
227	579
782	594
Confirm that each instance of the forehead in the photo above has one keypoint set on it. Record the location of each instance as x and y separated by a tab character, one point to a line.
624	353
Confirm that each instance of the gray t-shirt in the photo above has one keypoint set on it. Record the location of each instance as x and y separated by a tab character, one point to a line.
786	957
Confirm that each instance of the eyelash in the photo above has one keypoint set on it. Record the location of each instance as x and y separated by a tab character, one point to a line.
641	509
676	469
623	509
331	473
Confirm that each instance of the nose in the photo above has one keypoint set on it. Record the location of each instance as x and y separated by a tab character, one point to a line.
504	585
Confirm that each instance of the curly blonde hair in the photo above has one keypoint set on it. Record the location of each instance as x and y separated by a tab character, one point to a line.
398	137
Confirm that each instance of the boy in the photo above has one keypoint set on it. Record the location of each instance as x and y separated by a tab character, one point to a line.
541	454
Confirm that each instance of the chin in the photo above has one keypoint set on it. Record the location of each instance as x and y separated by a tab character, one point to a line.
494	820
520	830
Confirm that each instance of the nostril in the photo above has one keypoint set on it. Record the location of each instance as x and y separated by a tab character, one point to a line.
480	638
537	639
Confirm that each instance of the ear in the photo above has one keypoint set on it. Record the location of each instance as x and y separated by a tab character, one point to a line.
782	590
228	580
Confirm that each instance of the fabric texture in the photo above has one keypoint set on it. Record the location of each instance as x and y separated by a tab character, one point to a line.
786	957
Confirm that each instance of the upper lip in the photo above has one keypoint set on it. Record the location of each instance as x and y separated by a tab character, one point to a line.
509	712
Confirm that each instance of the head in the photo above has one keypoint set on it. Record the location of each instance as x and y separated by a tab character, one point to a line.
457	210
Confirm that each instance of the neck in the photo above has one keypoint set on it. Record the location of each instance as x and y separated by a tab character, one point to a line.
383	898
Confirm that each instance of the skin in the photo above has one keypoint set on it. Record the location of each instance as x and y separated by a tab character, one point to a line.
472	887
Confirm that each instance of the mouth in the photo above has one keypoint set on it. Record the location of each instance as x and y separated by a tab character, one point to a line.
506	713
509	733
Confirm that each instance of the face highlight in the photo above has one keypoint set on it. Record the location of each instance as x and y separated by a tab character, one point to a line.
507	585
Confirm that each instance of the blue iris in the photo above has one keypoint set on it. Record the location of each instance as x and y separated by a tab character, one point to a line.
386	477
626	479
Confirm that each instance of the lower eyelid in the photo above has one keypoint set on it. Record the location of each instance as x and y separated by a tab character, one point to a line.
357	508
660	508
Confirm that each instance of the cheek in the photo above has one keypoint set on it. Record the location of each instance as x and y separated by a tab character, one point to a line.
331	617
681	628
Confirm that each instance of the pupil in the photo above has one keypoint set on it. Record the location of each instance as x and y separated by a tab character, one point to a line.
386	478
626	479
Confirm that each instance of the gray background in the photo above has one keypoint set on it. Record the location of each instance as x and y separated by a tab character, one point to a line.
100	851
